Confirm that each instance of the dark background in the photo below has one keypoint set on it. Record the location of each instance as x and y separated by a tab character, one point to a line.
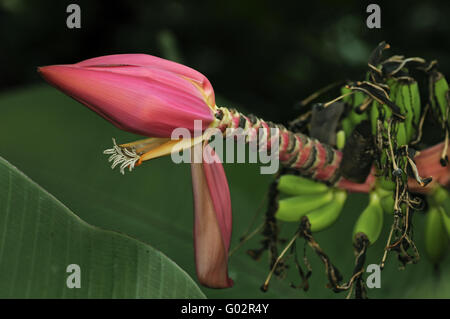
262	56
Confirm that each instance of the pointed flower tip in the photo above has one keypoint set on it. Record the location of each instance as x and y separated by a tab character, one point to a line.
138	93
47	69
43	71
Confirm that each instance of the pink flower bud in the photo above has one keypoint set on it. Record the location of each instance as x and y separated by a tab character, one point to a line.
138	93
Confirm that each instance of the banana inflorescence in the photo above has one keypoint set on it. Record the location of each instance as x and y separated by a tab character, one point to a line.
370	222
389	101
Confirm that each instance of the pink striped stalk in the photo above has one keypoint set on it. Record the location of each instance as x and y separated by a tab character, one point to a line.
312	158
151	96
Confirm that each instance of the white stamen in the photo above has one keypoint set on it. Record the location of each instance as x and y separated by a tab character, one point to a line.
123	156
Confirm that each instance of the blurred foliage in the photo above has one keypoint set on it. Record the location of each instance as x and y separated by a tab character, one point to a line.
59	143
262	56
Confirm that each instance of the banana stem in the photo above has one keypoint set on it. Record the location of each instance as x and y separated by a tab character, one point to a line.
386	249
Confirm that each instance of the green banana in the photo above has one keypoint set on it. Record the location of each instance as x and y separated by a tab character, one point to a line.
385	190
406	96
436	237
402	135
400	95
370	222
403	98
441	197
347	126
415	102
297	185
356	118
325	216
292	209
387	203
446	206
439	89
446	221
378	111
340	139
385	184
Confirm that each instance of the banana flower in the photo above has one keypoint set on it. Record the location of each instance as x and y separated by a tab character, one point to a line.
152	97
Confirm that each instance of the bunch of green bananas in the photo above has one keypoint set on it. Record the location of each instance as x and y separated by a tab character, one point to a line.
370	222
323	205
437	224
304	197
391	102
405	94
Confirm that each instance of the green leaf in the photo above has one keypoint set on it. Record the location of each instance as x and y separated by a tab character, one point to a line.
40	238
